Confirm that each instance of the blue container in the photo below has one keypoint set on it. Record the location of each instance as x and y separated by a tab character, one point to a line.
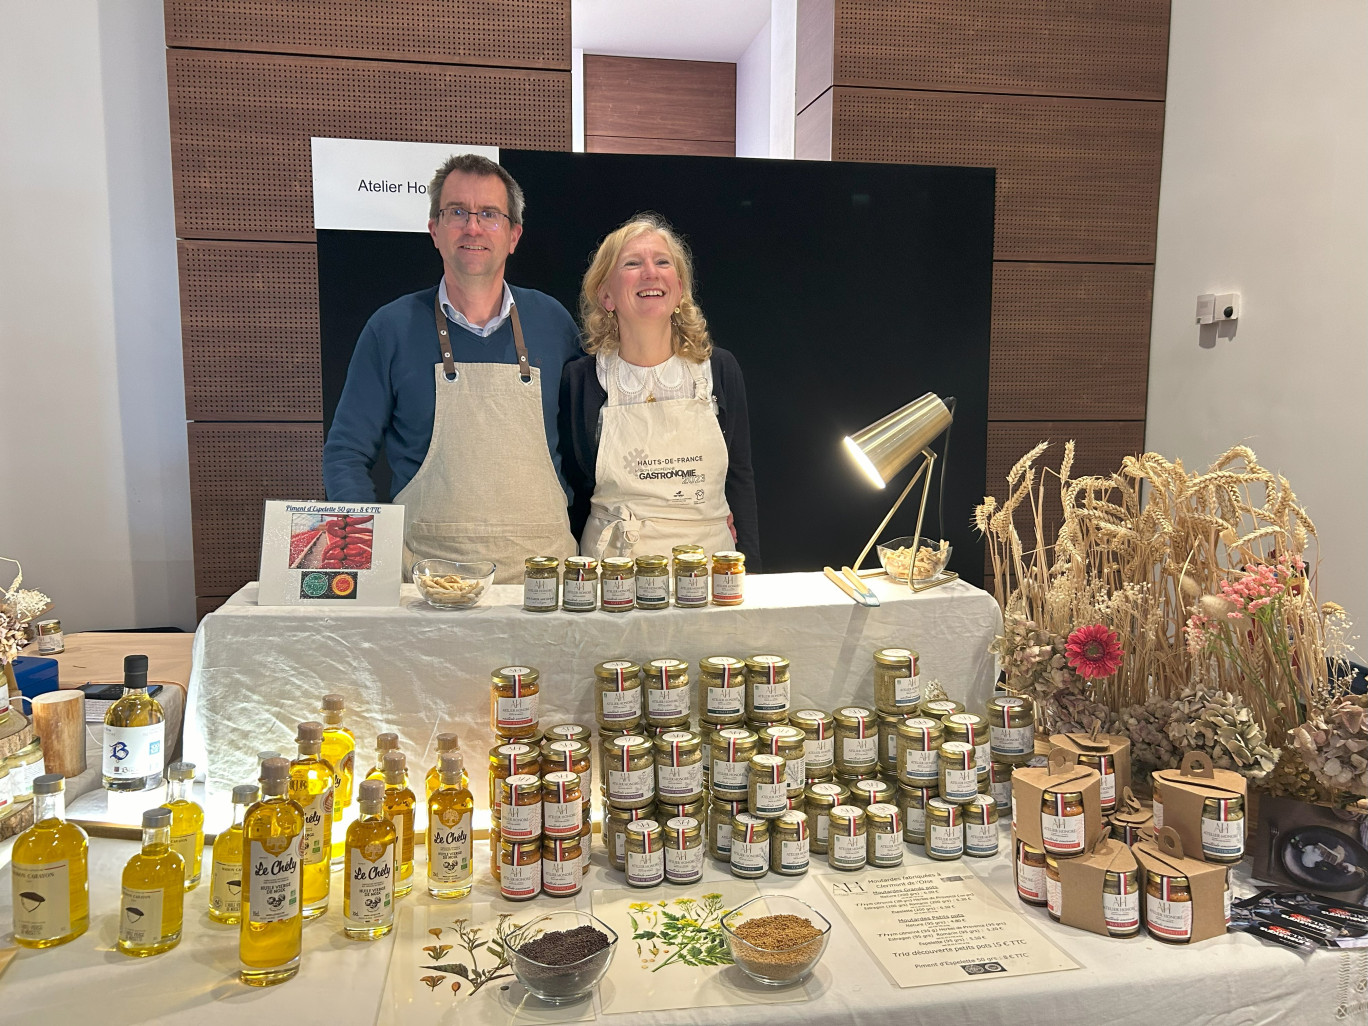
35	675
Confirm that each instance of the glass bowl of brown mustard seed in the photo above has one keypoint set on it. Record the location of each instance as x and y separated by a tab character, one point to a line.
775	939
561	957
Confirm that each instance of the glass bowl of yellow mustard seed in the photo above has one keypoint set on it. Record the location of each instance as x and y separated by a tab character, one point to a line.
775	939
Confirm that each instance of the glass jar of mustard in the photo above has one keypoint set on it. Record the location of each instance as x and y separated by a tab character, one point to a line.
750	846
1168	907
541	584
683	838
562	804
1000	783
732	749
1121	902
513	702
562	866
1011	729
767	791
1223	829
580	584
679	767
569	757
981	827
1106	768
506	761
645	854
629	771
615	822
857	740
919	741
666	811
495	843
847	848
958	775
912	801
722	689
789	844
820	798
667	692
652	582
691	580
520	808
618	686
865	793
1062	823
1054	890
767	689
617	584
897	681
972	729
788	741
1030	874
565	732
944	830
819	742
884	835
720	815
888	742
520	877
728	578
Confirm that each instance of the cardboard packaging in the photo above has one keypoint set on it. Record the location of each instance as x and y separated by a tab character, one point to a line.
1083	901
1115	746
1029	783
1132	821
1182	792
1206	911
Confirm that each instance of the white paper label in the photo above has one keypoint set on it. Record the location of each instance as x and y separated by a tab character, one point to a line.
847	850
691	590
1107	794
560	877
540	592
579	595
888	846
724	838
983	755
318	828
1158	815
914	821
793	855
225	889
133	751
653	589
140	916
890	755
1011	740
42	900
944	840
1062	834
516	712
1054	891
1227	903
751	856
729	776
619	594
981	838
821	753
520	881
645	868
1121	911
919	765
906	691
1030	881
273	884
624	706
563	819
959	784
823	827
668	704
795	774
683	864
620	845
860	751
1002	794
184	846
631	785
725	586
767	697
1171	920
520	822
449	850
726	701
370	888
1223	838
679	781
770	798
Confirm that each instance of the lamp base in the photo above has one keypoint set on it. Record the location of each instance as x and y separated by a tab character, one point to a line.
944	577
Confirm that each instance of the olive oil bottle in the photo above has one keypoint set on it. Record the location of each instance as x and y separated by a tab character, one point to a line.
450	808
368	900
49	872
225	882
153	905
445	743
399	802
386	742
134	734
311	786
272	926
339	752
187	820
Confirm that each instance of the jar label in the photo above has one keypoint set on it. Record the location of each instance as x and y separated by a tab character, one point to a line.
1107	795
907	691
1054	893
516	712
620	844
767	797
914	820
679	781
821	753
140	916
726	701
225	888
1062	834
691	590
728	586
795	773
631	785
1171	920
1030	881
724	837
847	850
1011	740
318	828
621	706
1121	911
1014	813
1158	815
579	595
645	868
1002	793
981	838
619	594
1223	838
449	851
729	776
520	881
767	697
793	855
42	900
983	755
920	765
653	589
860	751
540	592
1227	903
667	704
823	827
888	846
520	822
184	845
131	752
560	877
944	840
959	783
750	855
272	885
563	819
370	888
684	865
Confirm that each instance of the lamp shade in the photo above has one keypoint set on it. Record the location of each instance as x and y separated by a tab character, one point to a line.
891	442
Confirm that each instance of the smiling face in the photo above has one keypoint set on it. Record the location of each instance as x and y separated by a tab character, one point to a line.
470	252
643	285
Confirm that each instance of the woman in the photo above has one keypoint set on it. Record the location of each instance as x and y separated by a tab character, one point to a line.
655	429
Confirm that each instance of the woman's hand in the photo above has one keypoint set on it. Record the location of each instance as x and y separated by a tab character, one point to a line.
731	526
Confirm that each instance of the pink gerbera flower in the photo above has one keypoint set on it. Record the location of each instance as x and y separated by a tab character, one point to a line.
1094	651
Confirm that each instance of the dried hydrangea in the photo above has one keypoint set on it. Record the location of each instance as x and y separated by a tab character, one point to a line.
1034	659
1074	710
1147	727
1334	745
1221	725
12	638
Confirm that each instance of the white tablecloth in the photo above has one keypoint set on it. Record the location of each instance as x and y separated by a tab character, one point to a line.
1233	980
259	671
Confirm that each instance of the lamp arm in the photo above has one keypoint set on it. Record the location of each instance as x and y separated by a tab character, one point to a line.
930	458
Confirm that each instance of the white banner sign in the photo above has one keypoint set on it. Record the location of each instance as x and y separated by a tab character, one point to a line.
373	185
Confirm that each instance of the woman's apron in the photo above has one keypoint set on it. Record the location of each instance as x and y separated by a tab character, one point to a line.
487	488
660	477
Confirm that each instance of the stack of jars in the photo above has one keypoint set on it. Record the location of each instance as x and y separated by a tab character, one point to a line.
618	584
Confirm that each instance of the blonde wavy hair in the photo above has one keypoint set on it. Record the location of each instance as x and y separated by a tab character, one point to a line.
690	337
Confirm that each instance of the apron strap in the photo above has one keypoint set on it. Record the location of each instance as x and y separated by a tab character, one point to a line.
449	361
524	367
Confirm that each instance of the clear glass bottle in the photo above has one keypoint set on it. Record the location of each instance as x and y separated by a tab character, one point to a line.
187	821
152	907
134	734
271	930
446	744
399	803
225	880
339	752
311	786
368	896
386	742
49	872
451	869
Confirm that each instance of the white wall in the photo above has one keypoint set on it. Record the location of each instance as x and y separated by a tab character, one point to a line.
753	97
1265	193
765	86
95	501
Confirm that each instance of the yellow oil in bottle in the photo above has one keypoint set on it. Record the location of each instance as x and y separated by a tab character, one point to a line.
134	734
311	787
225	881
399	802
451	808
368	896
386	742
152	907
187	821
445	743
271	930
339	752
49	872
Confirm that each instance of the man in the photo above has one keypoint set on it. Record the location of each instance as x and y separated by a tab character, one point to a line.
459	383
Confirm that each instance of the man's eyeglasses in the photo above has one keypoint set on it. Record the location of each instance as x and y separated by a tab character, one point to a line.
459	217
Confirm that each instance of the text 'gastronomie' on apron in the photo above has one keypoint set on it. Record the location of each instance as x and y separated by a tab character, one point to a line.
660	476
487	489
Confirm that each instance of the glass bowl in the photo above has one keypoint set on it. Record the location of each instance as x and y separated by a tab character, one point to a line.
449	585
895	556
776	967
560	984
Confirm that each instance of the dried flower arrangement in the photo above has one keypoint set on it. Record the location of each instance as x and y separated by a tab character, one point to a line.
1177	608
18	608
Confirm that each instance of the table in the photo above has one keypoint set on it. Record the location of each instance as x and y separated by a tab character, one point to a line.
259	671
1234	979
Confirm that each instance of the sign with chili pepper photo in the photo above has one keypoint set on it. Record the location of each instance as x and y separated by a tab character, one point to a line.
317	552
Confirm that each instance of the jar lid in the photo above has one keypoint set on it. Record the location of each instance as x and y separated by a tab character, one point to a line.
521	784
618	564
795	821
767	664
752	827
810	719
851	814
884	814
561	849
1014	702
827	791
651	562
965	721
853	715
514	755
559	782
515	676
630	815
687	549
1230	803
729	556
781	735
1065	796
631	745
691	560
958	752
620	670
683	828
895	657
668	669
585	563
727	805
766	762
518	848
676	743
566	751
1154	876
873	788
647	827
722	666
941	805
941	707
541	563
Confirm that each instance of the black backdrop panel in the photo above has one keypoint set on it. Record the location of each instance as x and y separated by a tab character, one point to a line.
844	290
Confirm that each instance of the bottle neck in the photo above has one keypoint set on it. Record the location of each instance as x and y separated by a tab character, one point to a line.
177	790
156	836
140	689
238	812
373	812
49	806
449	780
310	750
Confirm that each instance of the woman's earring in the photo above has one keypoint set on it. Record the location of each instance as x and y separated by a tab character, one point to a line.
676	311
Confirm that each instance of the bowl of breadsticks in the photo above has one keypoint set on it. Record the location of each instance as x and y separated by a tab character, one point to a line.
925	563
446	584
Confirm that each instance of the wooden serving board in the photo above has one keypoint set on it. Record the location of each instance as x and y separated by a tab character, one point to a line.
15	733
14	817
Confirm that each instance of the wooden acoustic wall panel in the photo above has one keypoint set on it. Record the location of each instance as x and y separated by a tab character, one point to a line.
240	127
249	330
1077	180
645	105
505	33
1070	339
234	468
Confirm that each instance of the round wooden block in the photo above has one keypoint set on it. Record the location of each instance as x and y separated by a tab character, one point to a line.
59	720
18	816
15	733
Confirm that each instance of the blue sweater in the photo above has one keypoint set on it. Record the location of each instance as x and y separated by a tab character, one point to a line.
390	394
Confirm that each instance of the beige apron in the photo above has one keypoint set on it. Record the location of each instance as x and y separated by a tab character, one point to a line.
487	488
661	477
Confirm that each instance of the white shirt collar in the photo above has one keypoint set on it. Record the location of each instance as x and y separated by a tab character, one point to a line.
458	318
